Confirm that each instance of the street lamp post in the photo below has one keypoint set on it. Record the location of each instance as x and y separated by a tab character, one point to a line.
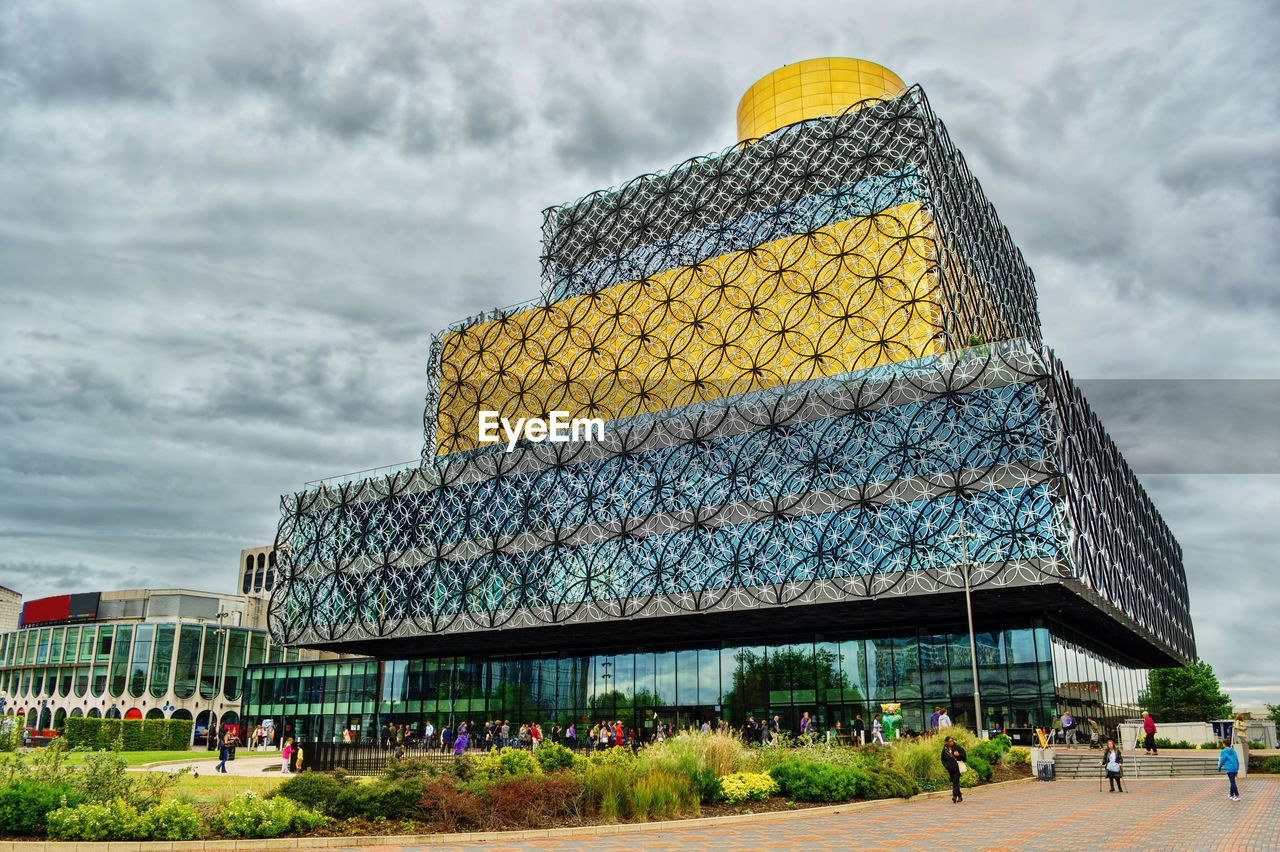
968	606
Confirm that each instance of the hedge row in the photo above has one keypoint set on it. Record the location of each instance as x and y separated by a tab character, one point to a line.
134	734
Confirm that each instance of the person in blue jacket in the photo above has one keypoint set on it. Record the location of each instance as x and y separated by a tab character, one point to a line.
1228	760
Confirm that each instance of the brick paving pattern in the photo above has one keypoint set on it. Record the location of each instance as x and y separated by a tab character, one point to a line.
1062	815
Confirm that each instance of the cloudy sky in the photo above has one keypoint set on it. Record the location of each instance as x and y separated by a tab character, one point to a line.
227	231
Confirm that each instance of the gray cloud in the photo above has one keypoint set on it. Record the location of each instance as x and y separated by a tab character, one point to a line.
228	230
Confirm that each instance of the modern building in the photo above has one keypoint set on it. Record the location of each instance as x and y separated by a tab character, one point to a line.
133	654
830	420
10	609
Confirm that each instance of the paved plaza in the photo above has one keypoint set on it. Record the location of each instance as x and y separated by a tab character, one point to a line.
1064	815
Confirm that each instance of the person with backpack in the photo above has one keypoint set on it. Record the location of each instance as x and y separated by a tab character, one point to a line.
224	752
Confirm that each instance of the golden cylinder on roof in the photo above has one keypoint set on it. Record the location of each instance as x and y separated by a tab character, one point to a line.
810	89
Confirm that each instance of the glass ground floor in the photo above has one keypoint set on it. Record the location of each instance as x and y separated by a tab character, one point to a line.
1029	672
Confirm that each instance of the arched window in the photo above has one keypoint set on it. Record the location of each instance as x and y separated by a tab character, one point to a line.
133	713
155	713
246	583
260	573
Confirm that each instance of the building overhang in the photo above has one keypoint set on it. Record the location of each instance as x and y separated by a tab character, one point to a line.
1065	600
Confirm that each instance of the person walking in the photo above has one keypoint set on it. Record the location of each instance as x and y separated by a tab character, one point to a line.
933	720
1068	728
859	730
1113	764
953	760
224	752
1149	728
944	721
877	730
460	742
1230	761
285	755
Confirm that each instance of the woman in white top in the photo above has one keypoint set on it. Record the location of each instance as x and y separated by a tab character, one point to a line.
877	730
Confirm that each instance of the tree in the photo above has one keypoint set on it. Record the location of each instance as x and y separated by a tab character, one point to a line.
1189	693
1273	713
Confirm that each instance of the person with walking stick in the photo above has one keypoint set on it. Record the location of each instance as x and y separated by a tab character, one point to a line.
1112	765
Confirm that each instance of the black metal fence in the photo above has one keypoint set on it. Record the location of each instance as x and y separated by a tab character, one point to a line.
365	758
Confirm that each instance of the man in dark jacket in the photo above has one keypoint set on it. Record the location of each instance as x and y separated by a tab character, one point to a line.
953	755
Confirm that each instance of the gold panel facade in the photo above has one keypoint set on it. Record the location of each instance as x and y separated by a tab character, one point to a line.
844	297
810	89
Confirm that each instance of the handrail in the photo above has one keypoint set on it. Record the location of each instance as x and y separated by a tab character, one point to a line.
367	473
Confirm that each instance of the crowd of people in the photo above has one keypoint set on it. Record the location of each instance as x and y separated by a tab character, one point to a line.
502	733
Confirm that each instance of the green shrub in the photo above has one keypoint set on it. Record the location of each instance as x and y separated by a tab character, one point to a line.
663	795
117	820
1019	756
980	765
622	757
462	768
505	762
381	798
1161	742
10	732
1271	764
132	734
816	782
312	790
969	779
987	751
708	784
248	815
1002	742
553	756
172	820
748	787
413	767
25	806
886	782
104	778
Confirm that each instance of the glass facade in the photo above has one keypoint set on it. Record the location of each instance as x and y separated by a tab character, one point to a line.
127	666
1027	672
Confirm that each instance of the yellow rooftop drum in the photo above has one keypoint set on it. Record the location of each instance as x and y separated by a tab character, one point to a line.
810	89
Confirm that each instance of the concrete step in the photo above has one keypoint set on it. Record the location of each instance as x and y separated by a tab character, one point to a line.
1088	764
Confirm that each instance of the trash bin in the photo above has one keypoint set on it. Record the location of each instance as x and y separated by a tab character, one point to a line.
1043	770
